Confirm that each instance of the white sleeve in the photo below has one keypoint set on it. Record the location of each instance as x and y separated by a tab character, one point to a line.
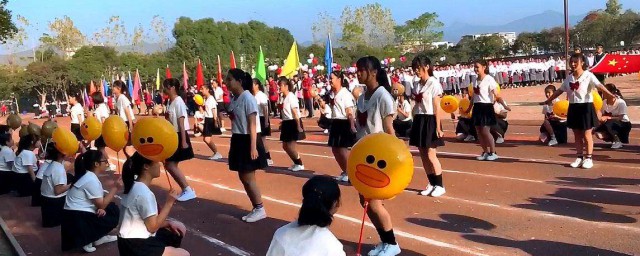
59	177
250	107
386	106
8	155
94	190
294	103
146	206
348	101
593	80
275	248
30	160
181	111
565	85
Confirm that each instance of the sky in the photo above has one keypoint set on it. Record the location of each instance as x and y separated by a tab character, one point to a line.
295	15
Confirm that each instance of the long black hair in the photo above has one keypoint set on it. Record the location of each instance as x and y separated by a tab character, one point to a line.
86	161
485	64
260	86
614	90
319	195
373	63
284	80
97	98
52	152
580	56
175	83
78	98
132	168
243	77
5	135
422	60
25	143
343	80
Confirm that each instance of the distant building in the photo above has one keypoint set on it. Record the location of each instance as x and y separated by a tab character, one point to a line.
507	37
416	46
446	44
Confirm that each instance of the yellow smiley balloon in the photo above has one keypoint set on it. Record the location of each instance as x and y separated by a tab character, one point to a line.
91	128
115	133
65	141
155	138
463	106
198	99
561	108
597	100
380	166
449	104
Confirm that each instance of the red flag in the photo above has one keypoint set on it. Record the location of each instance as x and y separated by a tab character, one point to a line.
168	72
185	76
615	63
92	88
219	72
199	75
233	60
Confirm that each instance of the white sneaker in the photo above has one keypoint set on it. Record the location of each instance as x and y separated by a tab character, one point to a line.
552	142
482	157
326	131
460	136
427	190
587	163
577	163
390	250
89	248
343	177
216	156
499	140
543	137
105	239
376	250
269	162
438	191
492	157
223	129
616	145
469	138
296	168
255	215
186	195
197	134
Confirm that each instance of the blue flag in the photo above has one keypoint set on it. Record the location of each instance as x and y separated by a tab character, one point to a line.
328	56
130	85
105	87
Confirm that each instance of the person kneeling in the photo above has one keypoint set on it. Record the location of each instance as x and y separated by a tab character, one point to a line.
54	188
403	120
615	125
500	129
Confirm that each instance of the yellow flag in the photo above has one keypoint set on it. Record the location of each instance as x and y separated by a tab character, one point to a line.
292	64
158	80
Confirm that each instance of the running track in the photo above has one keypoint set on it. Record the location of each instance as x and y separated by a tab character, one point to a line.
528	202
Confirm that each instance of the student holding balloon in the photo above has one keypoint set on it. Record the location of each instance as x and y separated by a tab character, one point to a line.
426	131
465	131
614	123
210	120
553	121
581	116
484	94
342	134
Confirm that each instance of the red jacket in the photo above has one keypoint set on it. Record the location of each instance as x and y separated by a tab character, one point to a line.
273	91
225	94
307	83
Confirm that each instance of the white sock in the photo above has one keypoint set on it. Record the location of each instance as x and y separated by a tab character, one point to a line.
187	189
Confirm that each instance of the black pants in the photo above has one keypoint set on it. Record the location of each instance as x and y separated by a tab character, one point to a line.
308	104
401	127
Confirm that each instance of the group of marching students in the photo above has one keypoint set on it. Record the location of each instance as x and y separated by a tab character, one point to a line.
78	203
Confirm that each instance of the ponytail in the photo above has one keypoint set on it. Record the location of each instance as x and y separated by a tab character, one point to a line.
383	80
133	168
372	63
614	90
320	194
25	143
86	162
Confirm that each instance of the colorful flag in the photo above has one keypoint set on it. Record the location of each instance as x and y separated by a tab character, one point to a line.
105	88
87	102
167	72
130	85
261	70
158	80
233	60
616	64
219	72
292	63
185	76
328	56
137	87
199	75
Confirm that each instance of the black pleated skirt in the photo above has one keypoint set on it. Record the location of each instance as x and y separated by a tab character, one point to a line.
80	228
52	211
23	184
582	116
36	197
340	135
152	246
182	154
75	129
5	182
265	127
289	131
483	114
240	153
424	132
210	127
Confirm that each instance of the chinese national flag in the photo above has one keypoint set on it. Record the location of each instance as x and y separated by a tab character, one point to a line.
615	63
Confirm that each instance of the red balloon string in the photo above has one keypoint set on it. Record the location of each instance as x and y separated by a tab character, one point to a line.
364	216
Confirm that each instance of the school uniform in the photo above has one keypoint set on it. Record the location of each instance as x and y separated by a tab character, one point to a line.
324	121
36	197
289	128
80	224
582	114
620	128
559	126
101	113
240	109
123	105
133	237
371	112
52	204
22	181
465	126
6	172
483	98
77	117
177	109
294	240
424	130
263	103
210	126
403	123
502	124
340	134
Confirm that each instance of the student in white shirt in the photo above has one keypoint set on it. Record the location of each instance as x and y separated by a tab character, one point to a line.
246	150
426	130
198	119
553	130
484	116
499	130
324	121
177	115
124	110
210	120
614	121
101	113
403	121
263	112
145	231
582	117
25	165
310	234
291	129
7	157
77	117
342	134
54	188
89	215
375	114
218	93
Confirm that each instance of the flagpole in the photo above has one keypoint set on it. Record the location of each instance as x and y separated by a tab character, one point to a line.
566	34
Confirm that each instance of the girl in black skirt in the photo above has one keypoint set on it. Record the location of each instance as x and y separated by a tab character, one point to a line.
582	117
7	157
25	165
484	117
614	123
342	134
177	114
210	120
426	131
263	112
291	129
89	215
54	188
77	117
143	230
246	150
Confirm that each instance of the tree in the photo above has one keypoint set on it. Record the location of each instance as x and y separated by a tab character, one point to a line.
323	26
613	7
371	24
45	77
18	39
136	38
113	35
64	36
7	27
160	29
422	30
487	47
525	43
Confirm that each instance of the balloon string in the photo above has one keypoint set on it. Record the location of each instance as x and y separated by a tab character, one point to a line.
118	165
166	173
364	216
